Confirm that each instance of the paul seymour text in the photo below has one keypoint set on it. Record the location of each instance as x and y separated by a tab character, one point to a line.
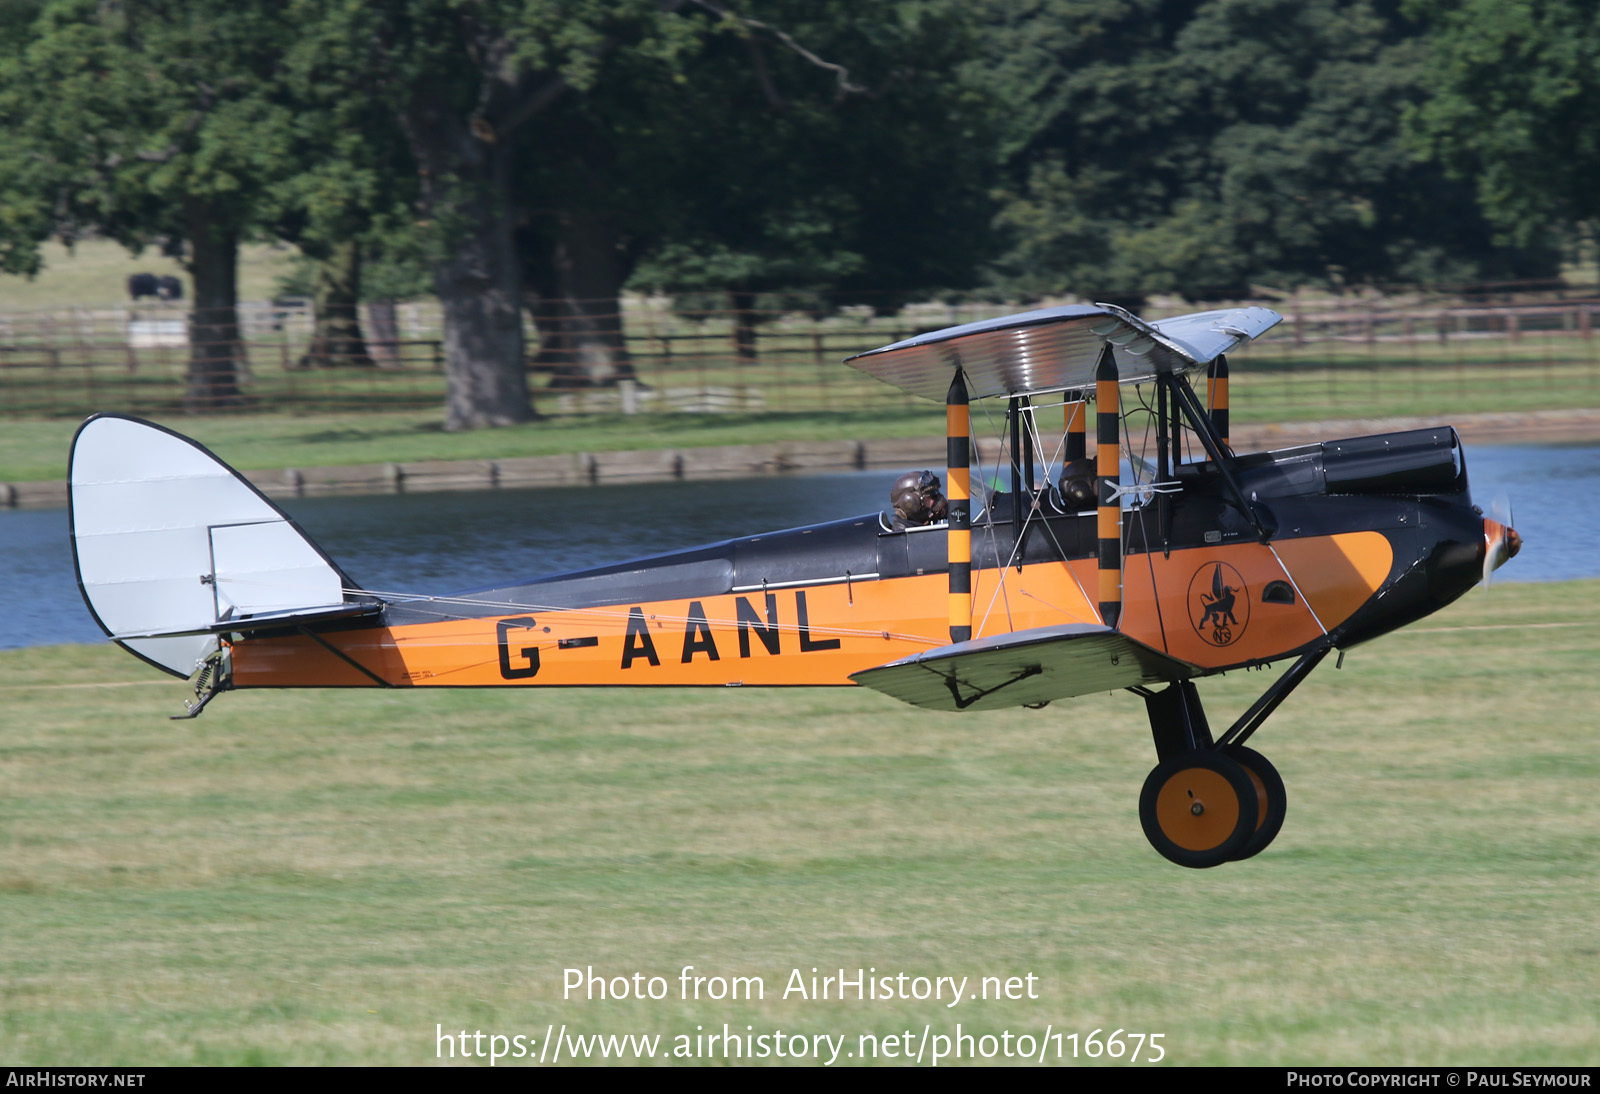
815	986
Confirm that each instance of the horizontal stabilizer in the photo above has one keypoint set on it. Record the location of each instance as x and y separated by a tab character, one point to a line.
270	621
1023	668
173	547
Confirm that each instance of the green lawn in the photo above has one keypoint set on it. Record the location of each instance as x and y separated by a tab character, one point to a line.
32	450
1265	389
330	877
797	390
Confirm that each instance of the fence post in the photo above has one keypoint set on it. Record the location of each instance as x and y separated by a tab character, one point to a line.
86	351
818	356
742	306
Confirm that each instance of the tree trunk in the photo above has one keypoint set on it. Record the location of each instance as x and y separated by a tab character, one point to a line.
336	340
466	190
385	327
557	355
744	326
214	350
586	316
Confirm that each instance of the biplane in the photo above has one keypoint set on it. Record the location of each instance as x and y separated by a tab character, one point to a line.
1159	558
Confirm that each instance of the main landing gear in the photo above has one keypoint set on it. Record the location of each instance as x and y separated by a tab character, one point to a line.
1208	802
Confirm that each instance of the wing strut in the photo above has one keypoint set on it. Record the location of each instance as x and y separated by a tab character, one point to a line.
1021	456
983	693
1108	456
958	479
1217	395
1077	418
1203	429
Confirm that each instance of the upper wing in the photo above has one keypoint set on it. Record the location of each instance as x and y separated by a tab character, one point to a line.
1056	349
1023	668
1204	336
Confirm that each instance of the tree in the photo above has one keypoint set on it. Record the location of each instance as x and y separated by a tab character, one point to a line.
349	198
750	165
1513	94
336	340
484	94
462	82
1199	147
148	121
27	187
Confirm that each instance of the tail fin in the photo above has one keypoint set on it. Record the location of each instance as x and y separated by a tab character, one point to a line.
173	547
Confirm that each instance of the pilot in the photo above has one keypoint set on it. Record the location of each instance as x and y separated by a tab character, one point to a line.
1078	485
916	500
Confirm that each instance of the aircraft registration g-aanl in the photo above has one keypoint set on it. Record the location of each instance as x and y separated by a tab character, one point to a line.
1077	579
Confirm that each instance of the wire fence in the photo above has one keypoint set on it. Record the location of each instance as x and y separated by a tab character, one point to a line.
1334	359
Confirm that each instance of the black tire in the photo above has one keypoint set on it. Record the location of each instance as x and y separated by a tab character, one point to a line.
1272	798
1198	809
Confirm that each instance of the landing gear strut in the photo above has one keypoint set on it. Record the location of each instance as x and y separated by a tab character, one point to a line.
1213	801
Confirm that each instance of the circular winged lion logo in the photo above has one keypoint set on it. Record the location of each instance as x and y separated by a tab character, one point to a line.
1219	603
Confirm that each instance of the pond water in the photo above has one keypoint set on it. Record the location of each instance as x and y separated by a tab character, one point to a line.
446	542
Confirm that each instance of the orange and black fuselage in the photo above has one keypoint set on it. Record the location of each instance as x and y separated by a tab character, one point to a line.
1365	535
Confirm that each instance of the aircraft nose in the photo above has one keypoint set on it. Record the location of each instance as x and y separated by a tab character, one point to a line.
1500	544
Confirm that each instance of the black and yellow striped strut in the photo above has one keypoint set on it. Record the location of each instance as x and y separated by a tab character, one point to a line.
1217	395
958	495
1077	416
1108	455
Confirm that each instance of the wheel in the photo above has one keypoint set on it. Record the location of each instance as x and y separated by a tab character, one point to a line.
1272	801
1198	808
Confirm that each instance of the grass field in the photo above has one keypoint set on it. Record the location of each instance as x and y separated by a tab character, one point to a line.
329	877
34	450
1274	381
1327	369
797	390
1273	390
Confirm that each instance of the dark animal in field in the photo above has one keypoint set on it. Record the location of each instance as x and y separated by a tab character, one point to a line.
148	284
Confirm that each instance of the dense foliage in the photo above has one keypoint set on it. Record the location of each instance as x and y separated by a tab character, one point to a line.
1202	147
542	155
1514	93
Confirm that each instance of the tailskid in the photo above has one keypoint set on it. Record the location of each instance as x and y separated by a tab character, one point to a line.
215	676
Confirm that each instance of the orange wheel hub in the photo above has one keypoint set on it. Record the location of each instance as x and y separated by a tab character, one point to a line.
1197	808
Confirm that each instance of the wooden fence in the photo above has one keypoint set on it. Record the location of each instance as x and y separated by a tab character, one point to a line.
1394	355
